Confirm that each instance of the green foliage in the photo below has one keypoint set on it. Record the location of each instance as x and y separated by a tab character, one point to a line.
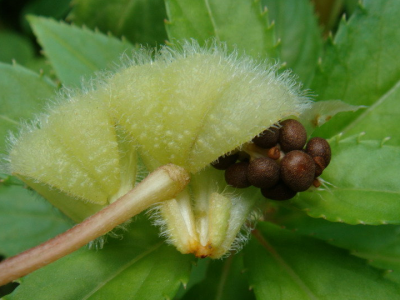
359	68
73	51
15	47
240	23
378	244
139	266
29	219
224	279
327	257
140	21
299	35
352	187
285	265
22	94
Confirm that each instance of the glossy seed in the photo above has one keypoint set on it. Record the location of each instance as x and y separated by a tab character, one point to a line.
319	147
319	165
279	192
292	135
236	175
297	170
263	172
223	162
268	138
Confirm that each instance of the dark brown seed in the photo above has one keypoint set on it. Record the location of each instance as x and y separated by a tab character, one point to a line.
268	138
297	170
274	153
263	172
319	165
319	147
236	175
279	192
223	162
292	135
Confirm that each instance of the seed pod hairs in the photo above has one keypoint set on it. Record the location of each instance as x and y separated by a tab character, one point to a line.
185	105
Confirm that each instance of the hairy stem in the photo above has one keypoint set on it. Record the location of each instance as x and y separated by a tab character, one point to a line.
162	184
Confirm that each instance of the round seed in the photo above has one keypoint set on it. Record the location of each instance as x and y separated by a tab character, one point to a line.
268	138
297	170
319	165
292	135
236	175
223	162
319	147
279	192
263	172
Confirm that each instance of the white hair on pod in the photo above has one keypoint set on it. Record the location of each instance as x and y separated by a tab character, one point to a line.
184	104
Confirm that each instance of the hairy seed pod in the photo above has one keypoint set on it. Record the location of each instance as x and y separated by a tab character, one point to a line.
319	147
236	175
223	162
292	135
263	172
268	138
297	170
279	192
173	106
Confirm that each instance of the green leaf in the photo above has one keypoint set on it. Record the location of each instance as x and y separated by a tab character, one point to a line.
15	47
361	186
140	21
360	68
138	266
26	219
284	265
240	23
322	111
224	280
380	245
297	29
45	8
76	52
23	93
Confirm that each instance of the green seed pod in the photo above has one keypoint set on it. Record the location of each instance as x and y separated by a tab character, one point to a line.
173	107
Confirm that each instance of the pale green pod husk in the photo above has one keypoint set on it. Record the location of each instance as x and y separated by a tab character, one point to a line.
186	105
190	106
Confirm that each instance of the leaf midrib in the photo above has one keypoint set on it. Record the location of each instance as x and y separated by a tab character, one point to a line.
123	268
285	266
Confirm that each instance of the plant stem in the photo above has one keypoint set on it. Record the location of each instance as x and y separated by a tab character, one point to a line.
162	184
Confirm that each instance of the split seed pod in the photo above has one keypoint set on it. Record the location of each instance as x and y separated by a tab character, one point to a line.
183	105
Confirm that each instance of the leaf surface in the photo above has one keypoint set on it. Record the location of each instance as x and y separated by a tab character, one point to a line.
284	265
137	266
225	279
380	245
140	21
27	219
361	184
23	93
360	68
300	36
15	47
75	52
239	23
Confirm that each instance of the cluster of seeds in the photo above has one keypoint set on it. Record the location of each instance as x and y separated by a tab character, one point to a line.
279	161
